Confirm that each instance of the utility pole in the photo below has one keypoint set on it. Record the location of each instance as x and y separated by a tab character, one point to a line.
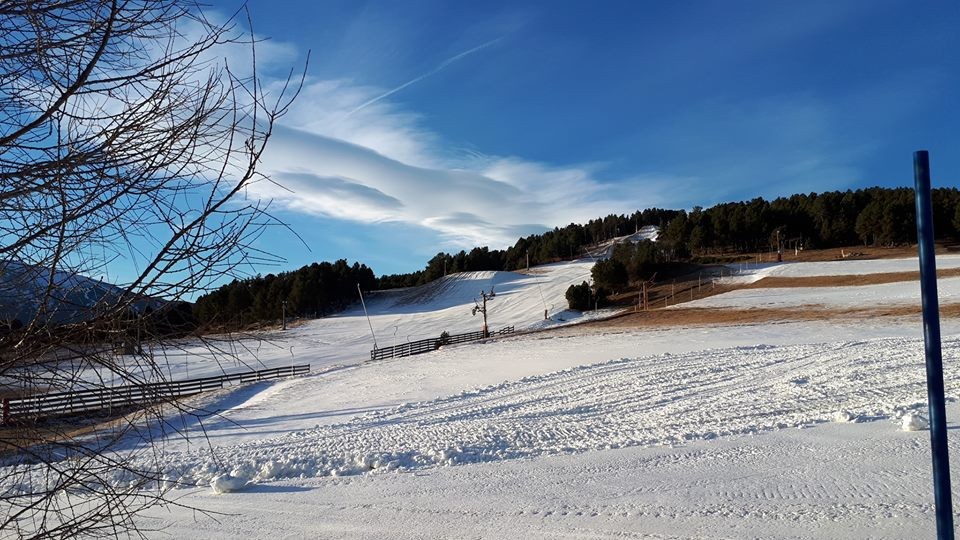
283	311
477	308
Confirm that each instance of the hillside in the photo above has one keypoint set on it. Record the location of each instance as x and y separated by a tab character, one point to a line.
779	429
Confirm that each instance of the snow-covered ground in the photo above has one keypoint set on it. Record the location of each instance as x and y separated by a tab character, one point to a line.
778	430
887	294
651	400
751	272
395	317
837	480
863	296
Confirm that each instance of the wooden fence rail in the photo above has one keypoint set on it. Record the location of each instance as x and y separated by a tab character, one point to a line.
426	345
106	398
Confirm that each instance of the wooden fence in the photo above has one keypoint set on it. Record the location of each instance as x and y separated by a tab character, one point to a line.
426	345
106	398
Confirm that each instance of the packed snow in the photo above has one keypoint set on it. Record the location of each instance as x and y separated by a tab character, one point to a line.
750	272
779	430
886	294
647	401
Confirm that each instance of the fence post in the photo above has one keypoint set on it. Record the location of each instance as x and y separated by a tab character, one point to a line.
931	339
6	411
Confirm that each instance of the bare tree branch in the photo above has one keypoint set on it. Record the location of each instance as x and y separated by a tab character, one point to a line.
125	150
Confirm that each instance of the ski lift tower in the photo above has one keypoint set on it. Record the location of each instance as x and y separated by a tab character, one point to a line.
482	308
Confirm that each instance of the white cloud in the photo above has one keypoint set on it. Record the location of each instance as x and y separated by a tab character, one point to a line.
343	153
323	108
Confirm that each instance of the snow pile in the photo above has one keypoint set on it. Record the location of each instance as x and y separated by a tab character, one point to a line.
913	422
571	316
228	483
843	417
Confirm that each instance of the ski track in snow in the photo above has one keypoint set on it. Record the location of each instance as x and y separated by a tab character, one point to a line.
826	482
669	399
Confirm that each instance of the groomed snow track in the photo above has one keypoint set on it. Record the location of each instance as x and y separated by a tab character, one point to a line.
650	401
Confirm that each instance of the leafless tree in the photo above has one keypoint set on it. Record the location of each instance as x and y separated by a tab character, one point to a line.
127	143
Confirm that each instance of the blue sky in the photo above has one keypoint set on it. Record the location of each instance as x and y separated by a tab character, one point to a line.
428	126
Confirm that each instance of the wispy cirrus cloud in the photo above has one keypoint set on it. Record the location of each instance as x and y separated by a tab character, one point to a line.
347	152
492	205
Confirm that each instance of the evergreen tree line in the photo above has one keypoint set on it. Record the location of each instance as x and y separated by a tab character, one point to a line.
874	216
562	243
314	290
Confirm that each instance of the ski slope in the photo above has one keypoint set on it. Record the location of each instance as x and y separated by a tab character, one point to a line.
520	300
629	402
774	430
395	317
604	250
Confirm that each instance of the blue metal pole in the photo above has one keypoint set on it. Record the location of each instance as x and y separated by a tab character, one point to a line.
931	338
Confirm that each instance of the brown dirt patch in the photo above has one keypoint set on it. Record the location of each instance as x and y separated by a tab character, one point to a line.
843	253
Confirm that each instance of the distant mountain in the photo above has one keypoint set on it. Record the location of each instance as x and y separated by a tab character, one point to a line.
72	297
